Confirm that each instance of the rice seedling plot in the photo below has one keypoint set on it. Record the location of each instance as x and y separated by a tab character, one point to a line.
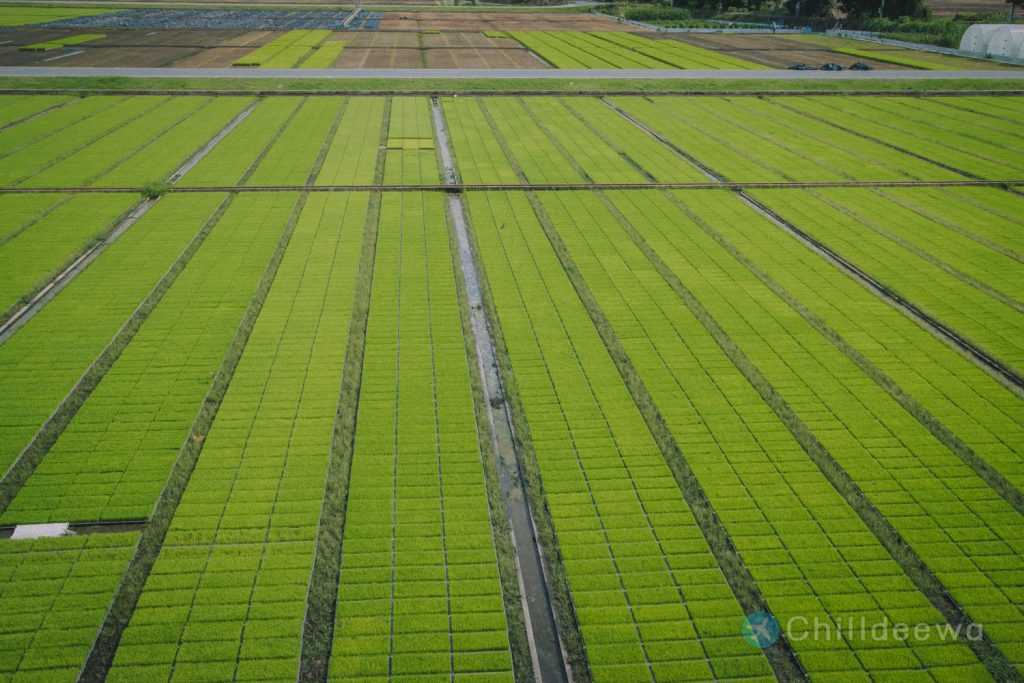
46	357
20	107
230	161
650	599
54	593
294	154
227	594
112	460
351	158
324	56
621	50
18	212
286	51
807	549
147	149
947	514
409	157
961	147
711	416
983	414
51	121
743	139
38	252
992	321
419	591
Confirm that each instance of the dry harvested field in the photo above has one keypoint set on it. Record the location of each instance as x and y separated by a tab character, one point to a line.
781	51
762	358
501	21
775	51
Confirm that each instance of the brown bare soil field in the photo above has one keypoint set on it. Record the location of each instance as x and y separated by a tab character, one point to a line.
776	51
213	58
496	21
134	47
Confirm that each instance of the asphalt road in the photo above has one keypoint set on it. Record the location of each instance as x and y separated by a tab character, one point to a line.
583	74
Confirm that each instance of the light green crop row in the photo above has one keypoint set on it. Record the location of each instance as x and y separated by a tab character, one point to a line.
52	122
44	359
951	518
112	460
419	591
63	42
810	554
36	254
227	593
410	157
54	593
621	50
351	158
229	161
31	158
981	154
292	158
18	107
995	325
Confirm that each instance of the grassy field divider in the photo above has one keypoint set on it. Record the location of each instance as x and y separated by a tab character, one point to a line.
922	577
101	655
935	426
322	595
780	655
58	421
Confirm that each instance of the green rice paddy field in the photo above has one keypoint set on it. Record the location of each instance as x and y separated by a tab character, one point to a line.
260	402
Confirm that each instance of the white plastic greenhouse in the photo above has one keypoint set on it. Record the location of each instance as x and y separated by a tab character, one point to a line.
998	40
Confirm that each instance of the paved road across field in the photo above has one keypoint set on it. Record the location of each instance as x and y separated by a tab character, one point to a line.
419	74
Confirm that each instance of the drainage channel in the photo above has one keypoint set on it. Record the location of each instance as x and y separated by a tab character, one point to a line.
546	648
991	364
52	288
